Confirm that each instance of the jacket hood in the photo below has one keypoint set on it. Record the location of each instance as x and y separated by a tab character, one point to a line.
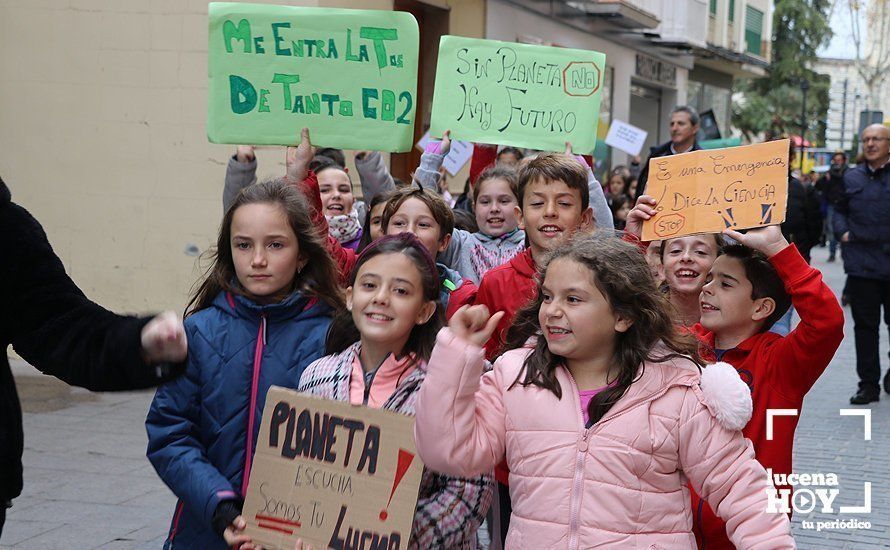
517	236
295	305
448	274
654	380
5	194
524	264
719	387
726	395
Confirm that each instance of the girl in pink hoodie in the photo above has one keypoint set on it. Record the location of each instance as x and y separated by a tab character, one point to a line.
602	412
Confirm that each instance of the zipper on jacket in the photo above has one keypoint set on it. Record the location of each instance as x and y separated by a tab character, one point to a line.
251	418
578	477
577	481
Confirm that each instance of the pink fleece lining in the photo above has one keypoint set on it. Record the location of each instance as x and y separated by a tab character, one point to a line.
388	376
257	363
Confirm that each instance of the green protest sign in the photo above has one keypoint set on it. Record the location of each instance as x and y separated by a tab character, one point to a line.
348	75
517	94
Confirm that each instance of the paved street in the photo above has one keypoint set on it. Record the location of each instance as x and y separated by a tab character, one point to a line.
88	484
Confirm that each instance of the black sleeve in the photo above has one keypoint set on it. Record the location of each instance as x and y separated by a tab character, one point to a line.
225	513
53	325
814	216
641	181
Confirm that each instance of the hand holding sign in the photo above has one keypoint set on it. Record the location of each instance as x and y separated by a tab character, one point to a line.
712	190
298	158
768	240
644	210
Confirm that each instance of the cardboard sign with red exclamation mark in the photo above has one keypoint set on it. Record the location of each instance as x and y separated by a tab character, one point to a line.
331	473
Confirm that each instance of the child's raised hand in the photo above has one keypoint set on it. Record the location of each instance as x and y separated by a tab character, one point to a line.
569	148
303	545
644	210
474	324
298	158
245	153
163	339
768	240
236	538
445	146
442	147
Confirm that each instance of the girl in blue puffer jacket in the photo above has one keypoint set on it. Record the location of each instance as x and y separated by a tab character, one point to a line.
259	318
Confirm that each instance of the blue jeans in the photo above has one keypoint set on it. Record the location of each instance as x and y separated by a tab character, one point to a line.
783	326
829	224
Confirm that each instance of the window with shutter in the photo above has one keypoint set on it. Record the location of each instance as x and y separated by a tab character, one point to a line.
753	29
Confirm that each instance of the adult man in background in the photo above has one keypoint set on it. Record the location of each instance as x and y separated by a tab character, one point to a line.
862	225
684	126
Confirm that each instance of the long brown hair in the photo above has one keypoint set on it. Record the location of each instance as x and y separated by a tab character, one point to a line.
620	272
343	332
318	277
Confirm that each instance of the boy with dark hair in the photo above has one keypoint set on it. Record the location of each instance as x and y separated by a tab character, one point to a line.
748	289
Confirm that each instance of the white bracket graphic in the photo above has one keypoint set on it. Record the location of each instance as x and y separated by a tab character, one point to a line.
866	419
770	413
866	507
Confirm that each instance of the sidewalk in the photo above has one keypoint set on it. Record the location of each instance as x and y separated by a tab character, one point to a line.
88	484
87	481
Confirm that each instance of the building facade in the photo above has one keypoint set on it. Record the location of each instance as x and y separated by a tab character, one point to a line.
847	97
103	133
729	39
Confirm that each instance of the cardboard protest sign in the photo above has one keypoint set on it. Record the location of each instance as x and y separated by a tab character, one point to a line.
348	75
626	137
709	191
517	94
331	474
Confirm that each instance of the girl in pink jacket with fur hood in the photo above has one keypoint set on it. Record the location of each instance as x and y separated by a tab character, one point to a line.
602	412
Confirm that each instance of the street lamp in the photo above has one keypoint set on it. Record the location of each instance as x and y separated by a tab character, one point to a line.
804	86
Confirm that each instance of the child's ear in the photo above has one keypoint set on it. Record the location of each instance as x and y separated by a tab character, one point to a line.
622	324
349	298
443	244
587	221
763	308
426	313
517	211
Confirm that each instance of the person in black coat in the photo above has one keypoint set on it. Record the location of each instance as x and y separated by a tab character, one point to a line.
684	127
803	217
55	328
831	185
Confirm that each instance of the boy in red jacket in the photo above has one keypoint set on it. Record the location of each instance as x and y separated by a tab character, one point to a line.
748	289
554	203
